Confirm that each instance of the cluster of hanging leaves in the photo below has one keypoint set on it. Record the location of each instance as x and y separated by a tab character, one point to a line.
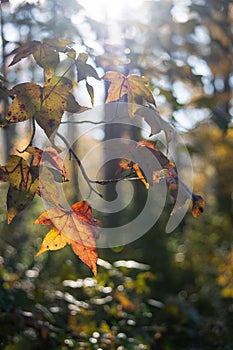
45	105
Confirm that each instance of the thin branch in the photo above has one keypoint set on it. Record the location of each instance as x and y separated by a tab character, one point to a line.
112	181
88	181
84	122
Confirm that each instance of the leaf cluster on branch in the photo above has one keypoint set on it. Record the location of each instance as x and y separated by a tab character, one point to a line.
44	105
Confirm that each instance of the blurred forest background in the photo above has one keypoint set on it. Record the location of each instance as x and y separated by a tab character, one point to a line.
163	291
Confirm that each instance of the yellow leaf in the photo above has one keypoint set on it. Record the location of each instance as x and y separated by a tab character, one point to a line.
54	240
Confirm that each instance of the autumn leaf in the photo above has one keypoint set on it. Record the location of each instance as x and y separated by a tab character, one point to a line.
157	124
75	227
140	100
46	53
24	50
198	205
54	102
134	86
84	69
50	158
117	87
26	103
47	188
24	184
161	168
46	104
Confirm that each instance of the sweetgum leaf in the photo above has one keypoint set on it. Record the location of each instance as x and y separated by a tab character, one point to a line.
46	104
24	50
26	103
55	240
117	87
47	58
46	53
134	86
153	118
54	101
51	158
24	184
84	69
76	227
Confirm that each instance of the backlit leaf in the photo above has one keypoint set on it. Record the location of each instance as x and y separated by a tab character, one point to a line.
140	175
46	104
51	158
23	184
136	88
26	102
54	240
77	226
161	168
198	205
117	87
84	69
24	50
55	94
46	53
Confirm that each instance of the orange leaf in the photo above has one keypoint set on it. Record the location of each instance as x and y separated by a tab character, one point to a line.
198	205
77	228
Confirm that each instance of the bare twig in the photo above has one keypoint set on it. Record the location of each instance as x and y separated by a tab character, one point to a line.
71	151
83	122
112	181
